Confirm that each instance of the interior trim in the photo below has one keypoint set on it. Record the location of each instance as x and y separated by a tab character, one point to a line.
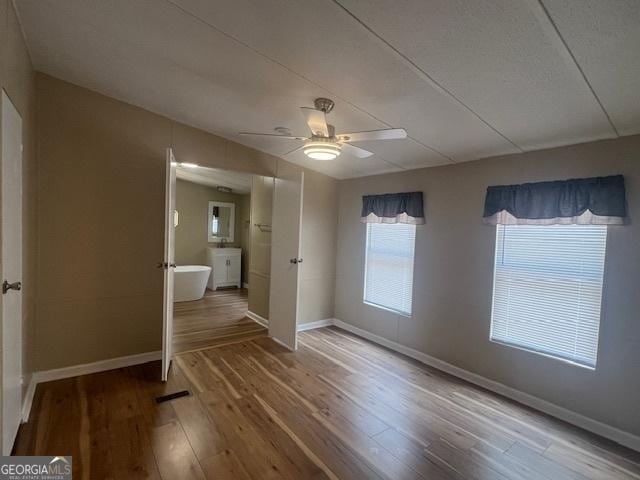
258	319
327	322
612	433
82	369
281	343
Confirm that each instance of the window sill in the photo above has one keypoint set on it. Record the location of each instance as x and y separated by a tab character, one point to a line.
543	354
391	310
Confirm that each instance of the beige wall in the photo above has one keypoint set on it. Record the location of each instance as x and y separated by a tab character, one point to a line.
17	78
101	226
260	256
100	200
319	232
192	203
454	272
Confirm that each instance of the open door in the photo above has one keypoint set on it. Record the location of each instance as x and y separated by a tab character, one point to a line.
168	264
11	273
285	258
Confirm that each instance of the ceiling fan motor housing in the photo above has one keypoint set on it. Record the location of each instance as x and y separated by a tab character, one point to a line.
324	104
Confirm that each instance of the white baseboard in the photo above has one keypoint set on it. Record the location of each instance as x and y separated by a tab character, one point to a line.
281	343
27	401
327	322
83	369
619	436
245	285
258	319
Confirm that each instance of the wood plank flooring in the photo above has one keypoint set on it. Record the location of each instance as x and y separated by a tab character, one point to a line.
338	408
218	318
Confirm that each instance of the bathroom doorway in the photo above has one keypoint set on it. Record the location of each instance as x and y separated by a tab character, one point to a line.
222	255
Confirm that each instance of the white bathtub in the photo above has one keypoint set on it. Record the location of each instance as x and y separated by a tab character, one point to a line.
190	282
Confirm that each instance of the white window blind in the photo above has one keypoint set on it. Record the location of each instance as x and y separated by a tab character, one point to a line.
548	288
388	281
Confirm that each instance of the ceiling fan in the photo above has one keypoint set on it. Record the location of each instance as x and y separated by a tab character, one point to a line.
324	144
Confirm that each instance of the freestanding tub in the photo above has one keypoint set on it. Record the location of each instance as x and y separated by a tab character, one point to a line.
190	282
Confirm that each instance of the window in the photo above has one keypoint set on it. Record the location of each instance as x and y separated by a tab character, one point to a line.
388	278
547	289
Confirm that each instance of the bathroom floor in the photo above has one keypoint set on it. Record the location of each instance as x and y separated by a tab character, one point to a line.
218	318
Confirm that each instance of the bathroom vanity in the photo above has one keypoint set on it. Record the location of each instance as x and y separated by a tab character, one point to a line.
226	264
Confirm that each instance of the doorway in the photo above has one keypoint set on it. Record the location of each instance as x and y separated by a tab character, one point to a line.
231	283
11	273
218	215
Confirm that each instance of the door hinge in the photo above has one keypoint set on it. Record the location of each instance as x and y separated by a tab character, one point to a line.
6	286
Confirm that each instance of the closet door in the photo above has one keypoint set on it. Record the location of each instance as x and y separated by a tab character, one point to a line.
168	264
11	270
285	257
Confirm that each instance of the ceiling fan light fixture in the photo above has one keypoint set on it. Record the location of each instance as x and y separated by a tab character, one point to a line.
322	150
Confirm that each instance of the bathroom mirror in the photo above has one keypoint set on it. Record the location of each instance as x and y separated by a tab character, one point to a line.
222	222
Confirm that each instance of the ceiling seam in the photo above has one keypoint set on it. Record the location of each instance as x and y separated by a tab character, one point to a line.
24	34
425	76
258	52
553	24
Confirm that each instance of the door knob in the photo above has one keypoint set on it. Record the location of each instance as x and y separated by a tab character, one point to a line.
6	286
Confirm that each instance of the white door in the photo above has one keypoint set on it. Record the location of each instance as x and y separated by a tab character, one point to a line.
11	273
285	258
168	263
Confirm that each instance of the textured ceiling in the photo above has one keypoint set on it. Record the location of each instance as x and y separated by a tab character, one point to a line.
467	80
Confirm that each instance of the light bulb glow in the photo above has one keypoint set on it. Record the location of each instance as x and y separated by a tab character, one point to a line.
322	150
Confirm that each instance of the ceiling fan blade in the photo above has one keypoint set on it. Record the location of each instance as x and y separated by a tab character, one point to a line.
316	120
386	134
355	151
293	152
271	135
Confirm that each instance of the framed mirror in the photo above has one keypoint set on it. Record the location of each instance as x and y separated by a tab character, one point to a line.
221	222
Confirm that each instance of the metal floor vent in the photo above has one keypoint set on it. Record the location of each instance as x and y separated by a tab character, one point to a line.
173	396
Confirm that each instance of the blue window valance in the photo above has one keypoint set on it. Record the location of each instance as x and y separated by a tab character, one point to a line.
393	208
596	201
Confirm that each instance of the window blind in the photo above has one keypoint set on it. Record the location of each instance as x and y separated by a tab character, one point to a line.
389	266
547	289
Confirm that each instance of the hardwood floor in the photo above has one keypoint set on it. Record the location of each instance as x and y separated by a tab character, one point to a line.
338	408
219	317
